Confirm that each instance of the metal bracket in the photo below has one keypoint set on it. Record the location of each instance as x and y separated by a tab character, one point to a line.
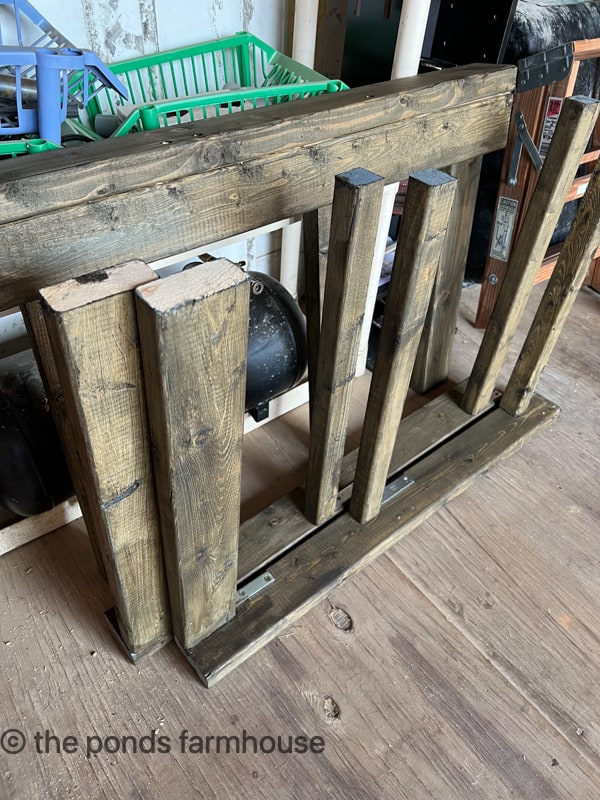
254	586
523	138
544	68
398	485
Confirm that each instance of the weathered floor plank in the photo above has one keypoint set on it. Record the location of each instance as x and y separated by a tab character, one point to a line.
407	709
522	584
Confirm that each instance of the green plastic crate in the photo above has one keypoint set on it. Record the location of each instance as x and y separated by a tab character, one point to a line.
205	80
19	147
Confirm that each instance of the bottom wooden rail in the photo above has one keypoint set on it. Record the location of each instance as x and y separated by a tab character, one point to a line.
282	525
305	574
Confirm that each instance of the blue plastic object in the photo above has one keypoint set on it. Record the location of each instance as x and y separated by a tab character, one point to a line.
52	69
48	37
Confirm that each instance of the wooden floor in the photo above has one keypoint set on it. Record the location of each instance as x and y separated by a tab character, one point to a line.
464	663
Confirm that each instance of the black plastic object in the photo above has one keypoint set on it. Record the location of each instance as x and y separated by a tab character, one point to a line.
33	473
277	355
276	342
472	31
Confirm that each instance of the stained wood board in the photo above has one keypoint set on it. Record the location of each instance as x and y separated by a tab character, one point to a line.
572	133
316	225
193	329
356	210
92	326
279	525
207	145
260	169
435	348
425	221
343	546
79	467
557	301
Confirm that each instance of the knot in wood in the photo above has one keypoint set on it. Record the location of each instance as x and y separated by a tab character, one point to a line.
212	155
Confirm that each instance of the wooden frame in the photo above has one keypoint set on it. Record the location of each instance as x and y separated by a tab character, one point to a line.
110	204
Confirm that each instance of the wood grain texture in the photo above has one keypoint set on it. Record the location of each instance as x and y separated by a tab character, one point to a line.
316	225
433	356
461	664
421	242
407	707
281	524
97	355
534	105
208	145
516	567
22	531
258	169
79	466
358	620
341	548
194	339
331	37
568	143
556	304
355	212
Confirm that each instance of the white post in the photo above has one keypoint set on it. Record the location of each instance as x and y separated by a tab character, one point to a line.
411	35
409	45
305	31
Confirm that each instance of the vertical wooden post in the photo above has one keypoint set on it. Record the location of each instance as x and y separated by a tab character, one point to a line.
566	281
316	225
331	36
355	213
93	330
572	133
420	245
435	348
194	338
36	323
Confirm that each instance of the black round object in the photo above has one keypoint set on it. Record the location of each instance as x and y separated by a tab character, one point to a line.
33	473
276	341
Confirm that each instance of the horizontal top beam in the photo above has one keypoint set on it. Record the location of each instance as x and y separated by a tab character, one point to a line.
151	195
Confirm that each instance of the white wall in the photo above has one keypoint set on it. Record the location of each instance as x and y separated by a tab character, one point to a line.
119	29
123	29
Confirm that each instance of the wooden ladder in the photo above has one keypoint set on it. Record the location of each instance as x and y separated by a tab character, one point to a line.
535	112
